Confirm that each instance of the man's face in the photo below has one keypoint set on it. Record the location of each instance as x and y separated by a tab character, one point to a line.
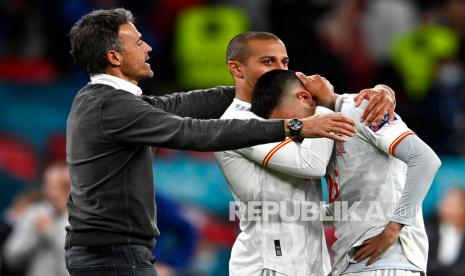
264	56
56	186
135	54
451	209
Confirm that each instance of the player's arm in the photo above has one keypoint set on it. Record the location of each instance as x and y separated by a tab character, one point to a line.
200	104
306	159
422	165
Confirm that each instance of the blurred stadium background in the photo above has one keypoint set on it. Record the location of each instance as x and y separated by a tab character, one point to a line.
416	47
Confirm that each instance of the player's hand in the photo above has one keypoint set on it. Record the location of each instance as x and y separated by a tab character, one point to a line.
320	89
381	101
333	126
374	247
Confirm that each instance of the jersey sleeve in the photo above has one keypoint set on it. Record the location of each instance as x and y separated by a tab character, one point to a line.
384	136
422	165
305	158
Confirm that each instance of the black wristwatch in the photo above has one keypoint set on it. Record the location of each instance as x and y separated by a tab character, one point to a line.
295	126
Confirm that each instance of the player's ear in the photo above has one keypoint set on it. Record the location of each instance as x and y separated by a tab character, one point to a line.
235	69
114	57
304	95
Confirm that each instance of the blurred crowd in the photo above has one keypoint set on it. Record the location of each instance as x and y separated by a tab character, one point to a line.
32	235
415	46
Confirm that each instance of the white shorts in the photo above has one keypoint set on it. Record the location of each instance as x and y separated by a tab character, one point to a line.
385	272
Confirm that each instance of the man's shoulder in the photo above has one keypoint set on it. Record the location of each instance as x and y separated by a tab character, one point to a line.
235	111
323	110
102	87
93	99
94	91
346	106
104	93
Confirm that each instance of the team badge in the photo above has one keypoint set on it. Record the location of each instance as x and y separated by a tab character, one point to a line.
382	123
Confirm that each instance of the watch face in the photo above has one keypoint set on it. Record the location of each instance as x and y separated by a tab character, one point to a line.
295	124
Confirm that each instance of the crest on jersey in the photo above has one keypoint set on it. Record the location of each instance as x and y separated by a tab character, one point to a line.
384	121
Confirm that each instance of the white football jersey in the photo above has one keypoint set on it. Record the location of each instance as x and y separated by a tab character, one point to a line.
366	178
277	173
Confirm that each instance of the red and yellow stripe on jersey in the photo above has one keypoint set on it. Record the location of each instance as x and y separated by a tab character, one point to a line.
392	147
270	154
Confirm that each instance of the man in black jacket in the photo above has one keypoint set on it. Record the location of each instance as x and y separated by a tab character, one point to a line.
111	129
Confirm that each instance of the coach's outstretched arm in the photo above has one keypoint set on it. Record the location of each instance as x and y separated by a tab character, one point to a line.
211	103
198	104
126	118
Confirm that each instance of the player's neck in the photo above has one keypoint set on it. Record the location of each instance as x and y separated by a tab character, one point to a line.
244	94
287	113
311	111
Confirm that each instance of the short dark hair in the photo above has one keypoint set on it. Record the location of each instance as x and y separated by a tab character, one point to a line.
238	48
270	90
94	34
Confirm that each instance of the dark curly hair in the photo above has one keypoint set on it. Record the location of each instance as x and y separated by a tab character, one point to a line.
94	34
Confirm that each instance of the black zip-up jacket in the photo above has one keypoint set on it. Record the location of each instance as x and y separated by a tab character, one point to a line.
110	134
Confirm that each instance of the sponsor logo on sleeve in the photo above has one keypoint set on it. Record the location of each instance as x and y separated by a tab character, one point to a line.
384	121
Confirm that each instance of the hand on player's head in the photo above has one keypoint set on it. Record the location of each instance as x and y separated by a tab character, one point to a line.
320	88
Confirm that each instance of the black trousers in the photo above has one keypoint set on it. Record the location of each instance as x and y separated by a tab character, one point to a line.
116	260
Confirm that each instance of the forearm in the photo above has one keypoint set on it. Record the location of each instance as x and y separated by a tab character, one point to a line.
157	128
200	104
216	135
125	119
304	160
307	160
422	164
